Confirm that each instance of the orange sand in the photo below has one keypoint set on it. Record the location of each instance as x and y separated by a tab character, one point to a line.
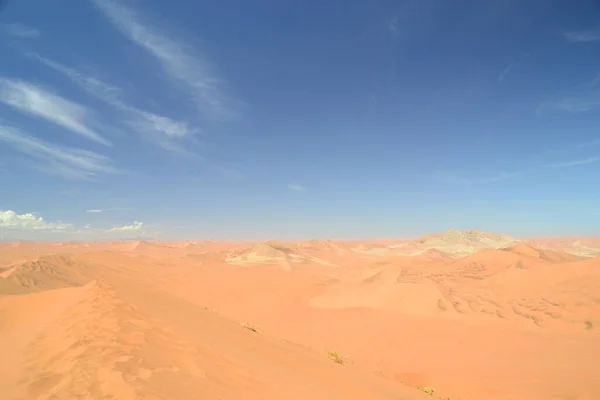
233	320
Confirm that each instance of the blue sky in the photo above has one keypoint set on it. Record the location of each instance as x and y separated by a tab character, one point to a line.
298	119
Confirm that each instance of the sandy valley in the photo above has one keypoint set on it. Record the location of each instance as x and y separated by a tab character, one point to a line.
463	315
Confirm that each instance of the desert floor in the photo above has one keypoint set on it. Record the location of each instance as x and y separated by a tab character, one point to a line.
464	314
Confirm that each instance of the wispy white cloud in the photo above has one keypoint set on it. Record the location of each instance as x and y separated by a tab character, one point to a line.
175	57
393	26
97	88
589	35
135	227
573	163
463	178
165	125
590	143
571	105
505	72
101	210
297	188
162	131
580	98
157	128
67	162
39	102
474	178
19	30
594	82
28	221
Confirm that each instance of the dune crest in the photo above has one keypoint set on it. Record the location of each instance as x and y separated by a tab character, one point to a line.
99	346
468	314
273	252
102	347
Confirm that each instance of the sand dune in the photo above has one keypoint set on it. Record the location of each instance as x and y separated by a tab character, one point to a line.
274	252
418	298
48	272
555	256
86	341
451	243
165	320
581	246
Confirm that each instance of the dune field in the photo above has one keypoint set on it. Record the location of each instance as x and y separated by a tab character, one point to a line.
455	315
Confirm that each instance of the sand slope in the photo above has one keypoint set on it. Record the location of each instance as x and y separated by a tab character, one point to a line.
581	246
86	341
163	320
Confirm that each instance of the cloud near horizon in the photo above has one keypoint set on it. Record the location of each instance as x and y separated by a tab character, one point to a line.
101	210
11	221
28	221
136	226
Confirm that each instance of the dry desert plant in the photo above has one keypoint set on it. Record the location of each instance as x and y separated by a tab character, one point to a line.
251	327
426	389
335	357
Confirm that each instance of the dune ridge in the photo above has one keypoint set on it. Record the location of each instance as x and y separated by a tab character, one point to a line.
470	314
